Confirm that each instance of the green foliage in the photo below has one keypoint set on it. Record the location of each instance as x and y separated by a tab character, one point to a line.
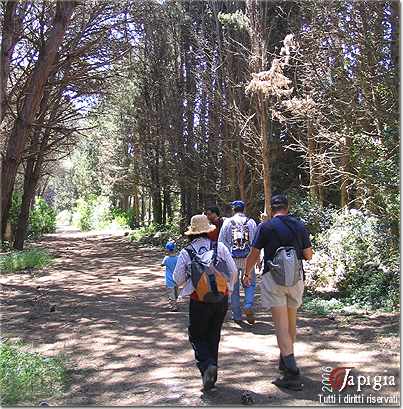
324	307
358	255
26	259
237	21
96	212
378	163
100	211
321	306
123	218
82	214
156	235
27	377
42	219
315	217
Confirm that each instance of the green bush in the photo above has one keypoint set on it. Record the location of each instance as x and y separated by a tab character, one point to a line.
15	208
96	212
26	259
101	215
27	377
156	235
325	307
358	255
82	214
123	218
42	219
315	217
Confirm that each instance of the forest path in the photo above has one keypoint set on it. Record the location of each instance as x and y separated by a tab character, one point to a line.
125	348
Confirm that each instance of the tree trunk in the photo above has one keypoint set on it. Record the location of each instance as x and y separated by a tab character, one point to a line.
258	64
31	178
395	43
149	218
136	206
11	27
344	199
143	209
241	178
313	182
33	96
264	137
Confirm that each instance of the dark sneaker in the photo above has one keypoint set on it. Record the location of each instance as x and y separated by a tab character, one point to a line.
250	316
288	381
209	377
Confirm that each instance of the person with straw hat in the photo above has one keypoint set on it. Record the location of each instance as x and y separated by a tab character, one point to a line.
206	312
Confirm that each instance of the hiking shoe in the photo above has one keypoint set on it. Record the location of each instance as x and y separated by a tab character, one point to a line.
290	381
281	364
209	377
250	316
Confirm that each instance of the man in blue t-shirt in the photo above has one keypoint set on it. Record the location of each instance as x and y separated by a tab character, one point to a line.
281	231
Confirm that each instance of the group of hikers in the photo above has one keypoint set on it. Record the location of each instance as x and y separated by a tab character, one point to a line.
222	255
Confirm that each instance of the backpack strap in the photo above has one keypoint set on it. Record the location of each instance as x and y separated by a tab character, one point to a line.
191	251
294	233
296	240
214	247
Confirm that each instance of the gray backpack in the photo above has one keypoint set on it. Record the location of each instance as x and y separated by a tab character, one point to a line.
286	268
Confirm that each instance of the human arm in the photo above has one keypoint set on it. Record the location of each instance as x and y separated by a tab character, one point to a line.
307	253
252	259
231	266
252	230
222	237
306	245
163	262
180	273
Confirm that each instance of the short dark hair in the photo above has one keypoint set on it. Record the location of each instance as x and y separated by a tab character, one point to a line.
196	236
279	202
214	209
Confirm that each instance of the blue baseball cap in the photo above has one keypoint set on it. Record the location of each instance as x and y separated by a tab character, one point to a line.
170	246
238	204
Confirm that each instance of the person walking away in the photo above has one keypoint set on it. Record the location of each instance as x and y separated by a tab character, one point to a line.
286	243
169	262
213	215
208	273
237	234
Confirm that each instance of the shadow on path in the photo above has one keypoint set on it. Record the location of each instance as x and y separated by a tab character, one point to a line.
103	305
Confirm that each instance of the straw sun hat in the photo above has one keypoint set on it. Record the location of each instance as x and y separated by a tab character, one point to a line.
199	224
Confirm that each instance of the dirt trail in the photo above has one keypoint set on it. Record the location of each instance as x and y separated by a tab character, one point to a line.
126	348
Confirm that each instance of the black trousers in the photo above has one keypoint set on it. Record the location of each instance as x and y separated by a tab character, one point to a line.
205	323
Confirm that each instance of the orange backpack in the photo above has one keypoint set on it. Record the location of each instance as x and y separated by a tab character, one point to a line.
209	283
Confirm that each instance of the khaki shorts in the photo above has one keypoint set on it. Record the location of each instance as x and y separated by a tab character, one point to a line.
274	295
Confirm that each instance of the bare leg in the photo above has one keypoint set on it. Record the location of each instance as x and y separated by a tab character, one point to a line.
292	324
284	339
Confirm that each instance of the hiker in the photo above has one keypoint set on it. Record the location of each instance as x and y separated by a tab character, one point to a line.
237	234
169	262
213	215
286	243
209	273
